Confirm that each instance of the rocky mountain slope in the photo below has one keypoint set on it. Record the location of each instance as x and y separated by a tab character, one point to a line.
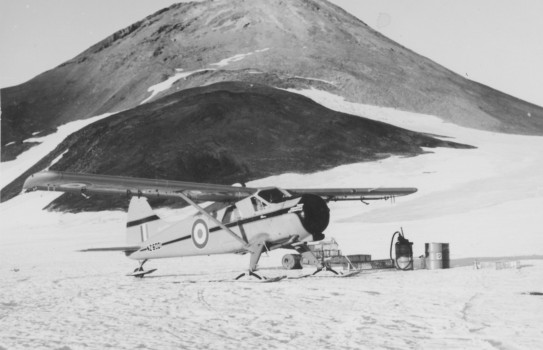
298	44
225	133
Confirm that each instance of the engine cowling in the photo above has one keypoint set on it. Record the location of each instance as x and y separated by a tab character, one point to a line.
315	215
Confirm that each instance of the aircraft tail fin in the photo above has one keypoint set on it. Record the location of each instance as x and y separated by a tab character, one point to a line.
142	222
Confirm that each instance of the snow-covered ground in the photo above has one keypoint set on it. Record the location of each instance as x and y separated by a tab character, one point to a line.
53	297
484	202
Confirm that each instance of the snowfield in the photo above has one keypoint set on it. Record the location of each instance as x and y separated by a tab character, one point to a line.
485	202
54	297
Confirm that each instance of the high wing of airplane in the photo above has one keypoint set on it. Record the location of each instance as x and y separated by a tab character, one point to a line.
249	220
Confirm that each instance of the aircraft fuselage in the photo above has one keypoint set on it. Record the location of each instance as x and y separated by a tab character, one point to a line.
271	216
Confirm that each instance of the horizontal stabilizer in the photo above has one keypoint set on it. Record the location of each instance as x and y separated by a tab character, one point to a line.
126	250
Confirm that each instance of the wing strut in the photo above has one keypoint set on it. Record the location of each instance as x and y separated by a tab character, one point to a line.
220	224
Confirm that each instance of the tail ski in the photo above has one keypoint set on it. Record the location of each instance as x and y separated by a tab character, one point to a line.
142	222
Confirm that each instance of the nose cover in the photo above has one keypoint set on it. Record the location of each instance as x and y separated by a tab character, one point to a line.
315	215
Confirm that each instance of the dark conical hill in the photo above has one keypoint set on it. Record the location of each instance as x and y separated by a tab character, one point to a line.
227	133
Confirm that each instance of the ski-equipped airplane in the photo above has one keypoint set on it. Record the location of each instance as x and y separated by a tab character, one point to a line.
242	219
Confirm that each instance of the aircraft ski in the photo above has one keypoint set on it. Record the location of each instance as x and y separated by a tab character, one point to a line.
242	220
140	273
263	280
336	275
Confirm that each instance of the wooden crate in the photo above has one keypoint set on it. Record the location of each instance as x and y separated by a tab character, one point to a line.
496	265
359	258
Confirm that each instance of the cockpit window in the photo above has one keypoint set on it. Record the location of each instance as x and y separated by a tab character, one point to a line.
273	195
257	204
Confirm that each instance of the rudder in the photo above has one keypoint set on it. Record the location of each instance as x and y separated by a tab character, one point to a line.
142	222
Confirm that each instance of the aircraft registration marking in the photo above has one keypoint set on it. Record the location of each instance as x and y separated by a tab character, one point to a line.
152	247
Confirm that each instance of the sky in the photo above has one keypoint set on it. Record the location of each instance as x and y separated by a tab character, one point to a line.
495	42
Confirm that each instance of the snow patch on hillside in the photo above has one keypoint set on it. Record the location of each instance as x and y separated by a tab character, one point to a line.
24	161
168	83
56	160
315	79
225	62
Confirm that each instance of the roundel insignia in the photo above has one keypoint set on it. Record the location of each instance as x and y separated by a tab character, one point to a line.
76	185
200	233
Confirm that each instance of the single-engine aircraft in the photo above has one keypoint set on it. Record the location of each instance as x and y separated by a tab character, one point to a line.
241	220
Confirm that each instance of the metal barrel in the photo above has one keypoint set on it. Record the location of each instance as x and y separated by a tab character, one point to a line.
404	256
292	261
437	256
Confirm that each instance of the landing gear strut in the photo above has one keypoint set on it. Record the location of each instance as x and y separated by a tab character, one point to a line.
249	273
139	272
325	267
256	252
140	269
308	255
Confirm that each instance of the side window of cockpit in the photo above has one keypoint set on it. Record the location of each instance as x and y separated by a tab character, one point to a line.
257	204
273	195
231	214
